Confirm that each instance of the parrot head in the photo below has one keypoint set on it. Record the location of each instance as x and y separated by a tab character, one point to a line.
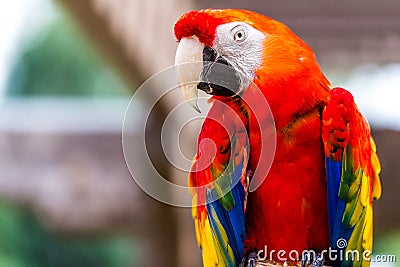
234	48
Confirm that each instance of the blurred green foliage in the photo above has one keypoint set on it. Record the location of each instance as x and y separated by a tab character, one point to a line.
61	62
388	244
24	242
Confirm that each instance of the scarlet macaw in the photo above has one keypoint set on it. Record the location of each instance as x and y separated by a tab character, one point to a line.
325	173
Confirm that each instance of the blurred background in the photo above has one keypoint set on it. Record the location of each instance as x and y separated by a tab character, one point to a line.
67	71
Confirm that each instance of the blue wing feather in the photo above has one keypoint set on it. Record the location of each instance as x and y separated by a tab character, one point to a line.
232	221
333	170
336	206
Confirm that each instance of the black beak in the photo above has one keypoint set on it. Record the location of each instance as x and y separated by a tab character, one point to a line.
218	77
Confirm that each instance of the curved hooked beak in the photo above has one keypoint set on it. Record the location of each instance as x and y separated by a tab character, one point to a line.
190	54
204	70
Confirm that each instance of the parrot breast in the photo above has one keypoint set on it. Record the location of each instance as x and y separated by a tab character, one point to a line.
289	211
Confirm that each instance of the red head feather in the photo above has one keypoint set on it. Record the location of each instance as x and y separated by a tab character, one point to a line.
203	23
198	23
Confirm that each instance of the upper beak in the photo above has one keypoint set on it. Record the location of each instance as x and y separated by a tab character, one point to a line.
200	67
189	53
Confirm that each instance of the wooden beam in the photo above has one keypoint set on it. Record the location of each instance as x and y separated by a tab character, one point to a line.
96	29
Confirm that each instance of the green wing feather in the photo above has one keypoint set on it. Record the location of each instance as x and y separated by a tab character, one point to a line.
352	176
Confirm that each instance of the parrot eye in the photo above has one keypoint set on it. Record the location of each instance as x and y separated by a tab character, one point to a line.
239	36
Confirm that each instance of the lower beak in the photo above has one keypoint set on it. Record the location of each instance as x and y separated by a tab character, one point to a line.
189	65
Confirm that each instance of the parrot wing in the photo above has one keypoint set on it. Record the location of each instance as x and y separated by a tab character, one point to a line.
353	168
219	207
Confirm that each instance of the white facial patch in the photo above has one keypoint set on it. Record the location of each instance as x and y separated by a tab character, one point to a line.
242	46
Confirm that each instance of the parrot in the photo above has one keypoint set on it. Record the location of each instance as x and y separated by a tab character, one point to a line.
319	189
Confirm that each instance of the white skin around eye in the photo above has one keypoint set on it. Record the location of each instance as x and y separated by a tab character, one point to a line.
244	53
